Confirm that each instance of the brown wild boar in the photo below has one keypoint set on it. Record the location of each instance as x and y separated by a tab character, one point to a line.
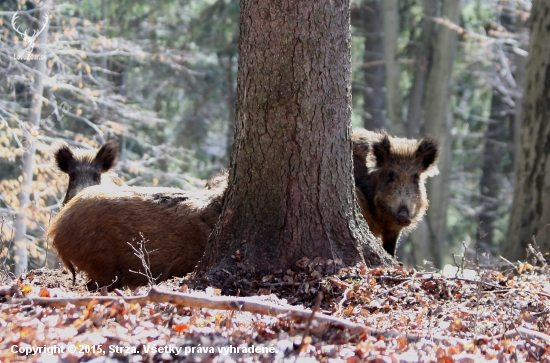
86	167
218	181
93	230
390	175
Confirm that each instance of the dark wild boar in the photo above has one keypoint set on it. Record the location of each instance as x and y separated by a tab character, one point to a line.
93	230
390	175
86	167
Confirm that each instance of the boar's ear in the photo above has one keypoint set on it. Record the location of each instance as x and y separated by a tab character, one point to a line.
381	151
427	153
107	156
360	143
62	156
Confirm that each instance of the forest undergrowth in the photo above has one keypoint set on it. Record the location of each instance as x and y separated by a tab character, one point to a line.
384	315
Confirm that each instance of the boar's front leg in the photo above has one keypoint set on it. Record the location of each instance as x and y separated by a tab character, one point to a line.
389	241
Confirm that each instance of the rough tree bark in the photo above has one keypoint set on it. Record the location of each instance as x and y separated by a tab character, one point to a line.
431	232
227	67
33	124
530	214
496	139
394	102
374	97
291	192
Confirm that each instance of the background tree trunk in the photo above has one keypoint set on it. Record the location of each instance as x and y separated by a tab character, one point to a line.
424	54
291	192
27	160
530	213
431	232
394	100
496	147
496	139
374	97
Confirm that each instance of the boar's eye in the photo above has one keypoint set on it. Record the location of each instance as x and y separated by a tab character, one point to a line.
416	178
72	176
96	177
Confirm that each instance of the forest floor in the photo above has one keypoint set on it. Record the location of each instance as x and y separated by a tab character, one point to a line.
380	315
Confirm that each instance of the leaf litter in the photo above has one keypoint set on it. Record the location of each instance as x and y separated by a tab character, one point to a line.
409	316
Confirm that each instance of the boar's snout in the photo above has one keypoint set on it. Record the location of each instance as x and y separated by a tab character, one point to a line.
403	217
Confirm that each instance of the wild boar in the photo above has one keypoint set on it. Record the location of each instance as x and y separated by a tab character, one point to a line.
218	181
100	230
390	175
86	167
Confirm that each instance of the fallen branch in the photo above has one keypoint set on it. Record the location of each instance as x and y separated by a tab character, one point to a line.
242	304
523	332
208	302
263	308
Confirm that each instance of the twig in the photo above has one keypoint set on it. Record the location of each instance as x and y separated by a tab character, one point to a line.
48	242
510	263
339	283
286	283
341	304
352	276
308	326
521	331
391	288
143	256
118	292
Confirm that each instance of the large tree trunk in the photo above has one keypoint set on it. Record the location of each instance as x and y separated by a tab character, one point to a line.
394	100
229	99
520	61
374	96
530	213
496	142
424	54
291	192
33	124
431	232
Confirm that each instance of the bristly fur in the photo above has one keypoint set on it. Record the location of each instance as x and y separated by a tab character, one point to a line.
390	175
86	167
403	151
93	230
218	181
177	224
60	152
